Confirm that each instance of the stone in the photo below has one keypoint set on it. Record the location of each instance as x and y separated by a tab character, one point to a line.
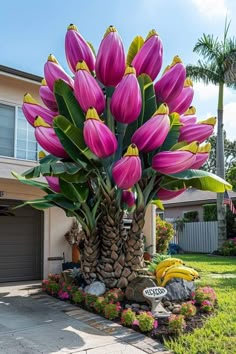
134	291
167	303
122	283
127	306
144	307
137	306
179	289
114	255
108	267
176	310
126	272
96	288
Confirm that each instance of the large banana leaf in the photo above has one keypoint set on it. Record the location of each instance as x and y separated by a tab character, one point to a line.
134	47
32	183
75	192
198	179
48	169
68	106
173	135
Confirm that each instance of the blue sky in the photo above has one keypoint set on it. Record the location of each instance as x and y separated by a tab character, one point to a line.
30	31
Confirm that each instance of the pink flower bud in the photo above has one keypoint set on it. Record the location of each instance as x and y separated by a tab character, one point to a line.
47	138
47	96
128	198
197	132
32	109
189	116
166	194
172	82
53	71
53	183
110	61
127	171
201	156
181	103
152	134
77	49
97	136
169	162
149	58
126	102
87	90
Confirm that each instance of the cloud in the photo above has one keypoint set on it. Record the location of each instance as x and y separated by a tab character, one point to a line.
210	91
230	120
211	8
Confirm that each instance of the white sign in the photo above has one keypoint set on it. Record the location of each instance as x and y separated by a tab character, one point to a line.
155	292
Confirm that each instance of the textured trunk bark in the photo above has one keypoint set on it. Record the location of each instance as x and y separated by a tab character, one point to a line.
220	167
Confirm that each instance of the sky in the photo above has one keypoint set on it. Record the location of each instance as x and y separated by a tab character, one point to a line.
31	30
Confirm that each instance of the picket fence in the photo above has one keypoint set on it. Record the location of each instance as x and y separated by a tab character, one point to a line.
197	237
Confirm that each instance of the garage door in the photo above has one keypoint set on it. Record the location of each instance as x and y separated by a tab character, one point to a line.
20	244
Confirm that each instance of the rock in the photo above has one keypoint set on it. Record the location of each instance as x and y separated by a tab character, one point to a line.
122	283
167	303
144	307
134	291
127	306
96	288
176	310
137	306
179	289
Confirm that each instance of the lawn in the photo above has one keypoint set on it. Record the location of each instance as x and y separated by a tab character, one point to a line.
218	335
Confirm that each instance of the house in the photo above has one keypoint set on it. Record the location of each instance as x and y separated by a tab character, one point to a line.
30	240
191	200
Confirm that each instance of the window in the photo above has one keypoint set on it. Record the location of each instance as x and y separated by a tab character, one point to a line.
160	214
16	134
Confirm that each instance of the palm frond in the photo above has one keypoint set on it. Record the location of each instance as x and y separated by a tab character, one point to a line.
203	72
209	47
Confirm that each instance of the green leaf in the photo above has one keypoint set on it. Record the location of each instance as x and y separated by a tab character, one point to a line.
48	159
40	204
68	106
62	202
92	48
75	192
173	135
134	47
198	179
158	204
32	183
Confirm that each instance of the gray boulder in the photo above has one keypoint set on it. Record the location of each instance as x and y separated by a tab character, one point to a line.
134	290
96	288
179	289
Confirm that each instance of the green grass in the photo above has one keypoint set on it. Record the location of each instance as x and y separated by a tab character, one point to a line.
218	335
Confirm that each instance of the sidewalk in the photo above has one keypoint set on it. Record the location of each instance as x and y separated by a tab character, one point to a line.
35	323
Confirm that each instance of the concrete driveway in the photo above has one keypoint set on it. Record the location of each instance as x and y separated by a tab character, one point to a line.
34	323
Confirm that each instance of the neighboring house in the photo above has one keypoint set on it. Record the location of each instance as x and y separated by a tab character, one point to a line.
31	237
190	200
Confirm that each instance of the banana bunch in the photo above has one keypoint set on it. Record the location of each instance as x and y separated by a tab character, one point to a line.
174	268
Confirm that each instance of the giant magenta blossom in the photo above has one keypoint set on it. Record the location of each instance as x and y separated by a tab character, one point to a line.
202	155
167	194
47	138
47	96
149	58
127	171
128	198
126	101
189	117
171	83
170	162
77	49
53	71
199	131
31	109
110	61
97	136
87	90
53	183
181	103
152	134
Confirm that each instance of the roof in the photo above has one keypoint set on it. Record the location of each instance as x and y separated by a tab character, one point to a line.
19	73
195	197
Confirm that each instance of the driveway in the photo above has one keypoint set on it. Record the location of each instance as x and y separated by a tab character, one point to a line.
35	323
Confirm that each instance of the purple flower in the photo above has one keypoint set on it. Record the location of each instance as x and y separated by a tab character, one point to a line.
197	132
181	103
169	162
126	101
171	83
152	134
201	156
53	71
149	58
128	198
87	91
77	49
32	109
127	171
189	117
166	194
53	183
97	136
47	96
110	61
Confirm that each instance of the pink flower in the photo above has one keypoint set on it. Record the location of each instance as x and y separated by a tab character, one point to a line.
87	91
166	194
155	324
136	323
189	116
181	103
149	58
53	183
77	49
197	132
128	198
47	96
127	171
152	134
110	61
126	101
97	136
53	71
201	156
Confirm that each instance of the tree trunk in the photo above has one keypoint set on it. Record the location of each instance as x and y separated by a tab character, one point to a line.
112	234
220	167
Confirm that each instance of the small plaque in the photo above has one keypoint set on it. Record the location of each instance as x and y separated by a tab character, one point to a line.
155	292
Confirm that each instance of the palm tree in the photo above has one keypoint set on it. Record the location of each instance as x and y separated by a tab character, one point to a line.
217	66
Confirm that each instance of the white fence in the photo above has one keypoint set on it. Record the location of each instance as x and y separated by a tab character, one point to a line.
197	237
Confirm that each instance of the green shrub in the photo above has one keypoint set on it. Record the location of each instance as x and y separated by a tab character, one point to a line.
204	293
78	296
112	311
157	258
127	317
146	321
228	248
191	216
89	300
209	212
164	233
114	295
176	324
188	309
207	306
99	304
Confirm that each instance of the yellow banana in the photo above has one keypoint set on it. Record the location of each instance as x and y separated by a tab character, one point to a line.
168	262
170	276
193	271
183	270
